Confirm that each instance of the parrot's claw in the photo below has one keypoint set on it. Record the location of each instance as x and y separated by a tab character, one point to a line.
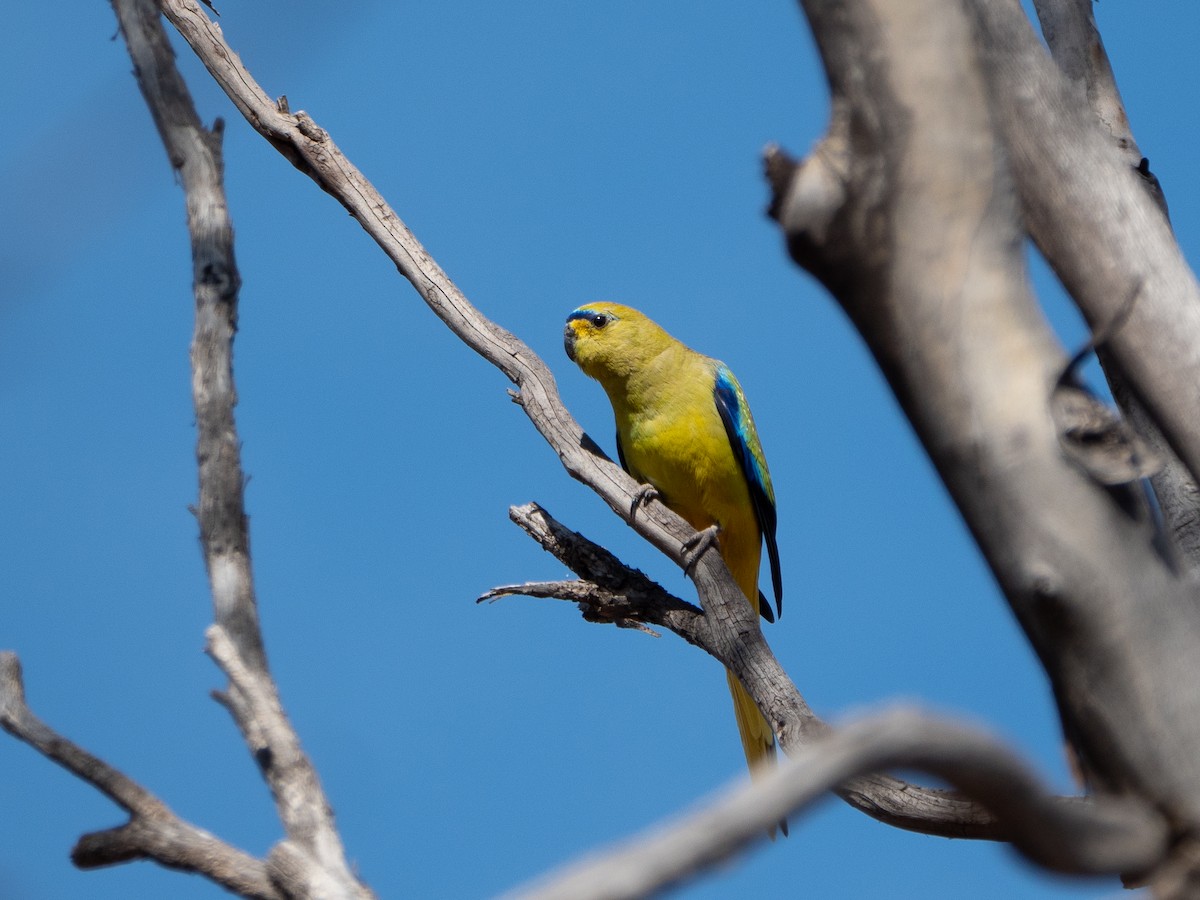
644	495
697	545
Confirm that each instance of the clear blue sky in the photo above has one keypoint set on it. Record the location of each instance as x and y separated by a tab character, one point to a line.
547	154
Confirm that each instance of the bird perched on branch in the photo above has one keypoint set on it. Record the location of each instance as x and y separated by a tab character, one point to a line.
684	429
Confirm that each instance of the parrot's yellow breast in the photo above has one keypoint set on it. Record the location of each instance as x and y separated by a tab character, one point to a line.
683	451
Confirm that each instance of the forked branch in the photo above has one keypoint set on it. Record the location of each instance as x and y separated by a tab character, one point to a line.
310	861
998	798
153	831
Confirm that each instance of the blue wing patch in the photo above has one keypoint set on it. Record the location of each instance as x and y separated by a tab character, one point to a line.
739	427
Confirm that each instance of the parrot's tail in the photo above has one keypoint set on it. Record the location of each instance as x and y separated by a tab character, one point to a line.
758	741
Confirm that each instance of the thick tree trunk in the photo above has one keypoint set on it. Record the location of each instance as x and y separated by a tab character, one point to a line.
951	130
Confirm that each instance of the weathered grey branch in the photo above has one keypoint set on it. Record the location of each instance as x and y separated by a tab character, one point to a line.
908	213
610	591
236	640
1074	41
1096	224
310	862
1071	182
615	593
153	831
195	153
1070	30
1076	836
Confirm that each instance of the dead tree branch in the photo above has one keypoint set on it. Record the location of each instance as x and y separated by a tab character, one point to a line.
1099	228
195	154
310	861
1076	46
908	212
1070	180
1065	835
612	592
153	831
1069	27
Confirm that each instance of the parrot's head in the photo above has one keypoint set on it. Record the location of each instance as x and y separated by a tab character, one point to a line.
609	341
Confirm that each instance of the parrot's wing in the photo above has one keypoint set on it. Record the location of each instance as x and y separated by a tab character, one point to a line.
739	426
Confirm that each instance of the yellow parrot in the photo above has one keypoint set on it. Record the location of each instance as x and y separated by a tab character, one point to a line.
684	428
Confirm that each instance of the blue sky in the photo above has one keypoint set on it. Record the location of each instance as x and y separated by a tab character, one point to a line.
547	154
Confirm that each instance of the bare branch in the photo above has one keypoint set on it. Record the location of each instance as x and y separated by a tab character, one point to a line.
610	591
1069	27
195	153
1074	41
153	832
1089	212
921	244
623	593
236	640
1095	837
595	603
1071	182
312	863
571	591
1070	30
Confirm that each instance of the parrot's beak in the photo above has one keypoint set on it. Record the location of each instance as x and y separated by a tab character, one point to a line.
569	341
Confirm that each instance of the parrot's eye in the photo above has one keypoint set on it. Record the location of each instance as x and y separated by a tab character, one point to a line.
599	320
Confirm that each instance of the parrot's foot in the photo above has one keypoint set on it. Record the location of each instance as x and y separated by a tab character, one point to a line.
644	495
697	545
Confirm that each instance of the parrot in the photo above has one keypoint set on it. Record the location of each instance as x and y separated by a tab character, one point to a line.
684	429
